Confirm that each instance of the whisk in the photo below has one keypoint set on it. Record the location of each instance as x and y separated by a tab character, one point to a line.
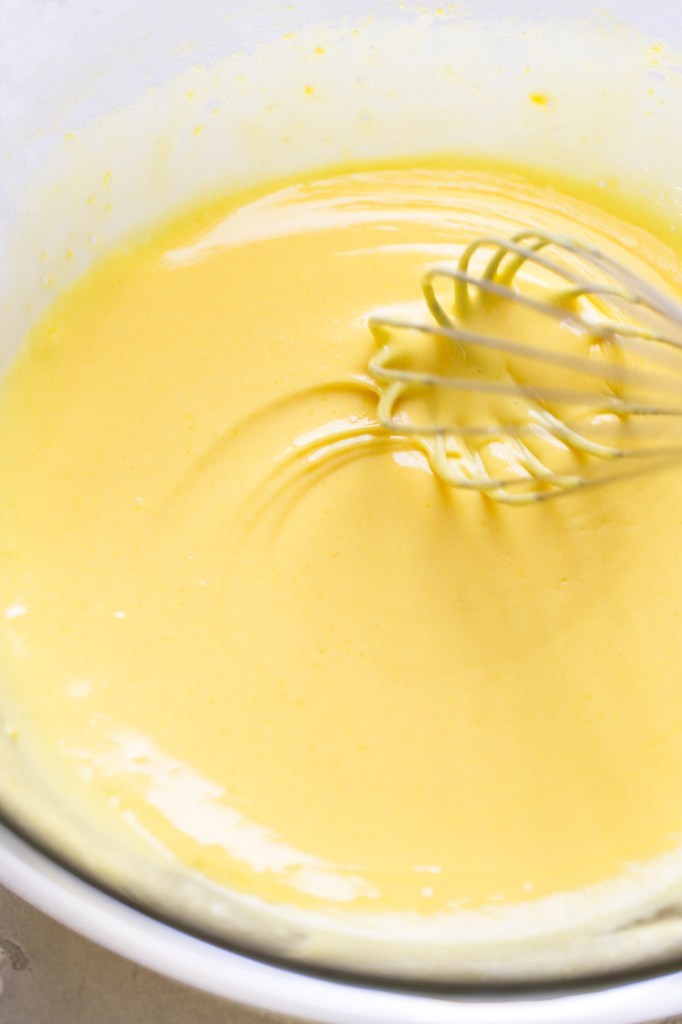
578	387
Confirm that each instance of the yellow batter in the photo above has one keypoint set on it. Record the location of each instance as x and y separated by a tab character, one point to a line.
337	684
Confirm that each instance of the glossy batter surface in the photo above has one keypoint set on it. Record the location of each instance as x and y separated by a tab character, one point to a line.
337	684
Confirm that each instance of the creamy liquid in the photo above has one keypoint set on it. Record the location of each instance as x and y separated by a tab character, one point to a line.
327	683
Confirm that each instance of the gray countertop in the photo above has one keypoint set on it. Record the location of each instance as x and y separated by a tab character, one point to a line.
50	975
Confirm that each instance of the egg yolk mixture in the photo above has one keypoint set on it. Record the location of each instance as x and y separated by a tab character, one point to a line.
328	682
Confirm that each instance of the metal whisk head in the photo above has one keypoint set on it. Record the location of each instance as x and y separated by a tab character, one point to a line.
534	366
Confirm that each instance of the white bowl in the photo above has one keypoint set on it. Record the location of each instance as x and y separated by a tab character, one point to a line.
100	105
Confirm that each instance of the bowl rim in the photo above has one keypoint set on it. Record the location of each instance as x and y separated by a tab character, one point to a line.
98	916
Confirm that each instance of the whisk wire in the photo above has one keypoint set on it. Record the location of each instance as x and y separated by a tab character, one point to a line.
582	307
